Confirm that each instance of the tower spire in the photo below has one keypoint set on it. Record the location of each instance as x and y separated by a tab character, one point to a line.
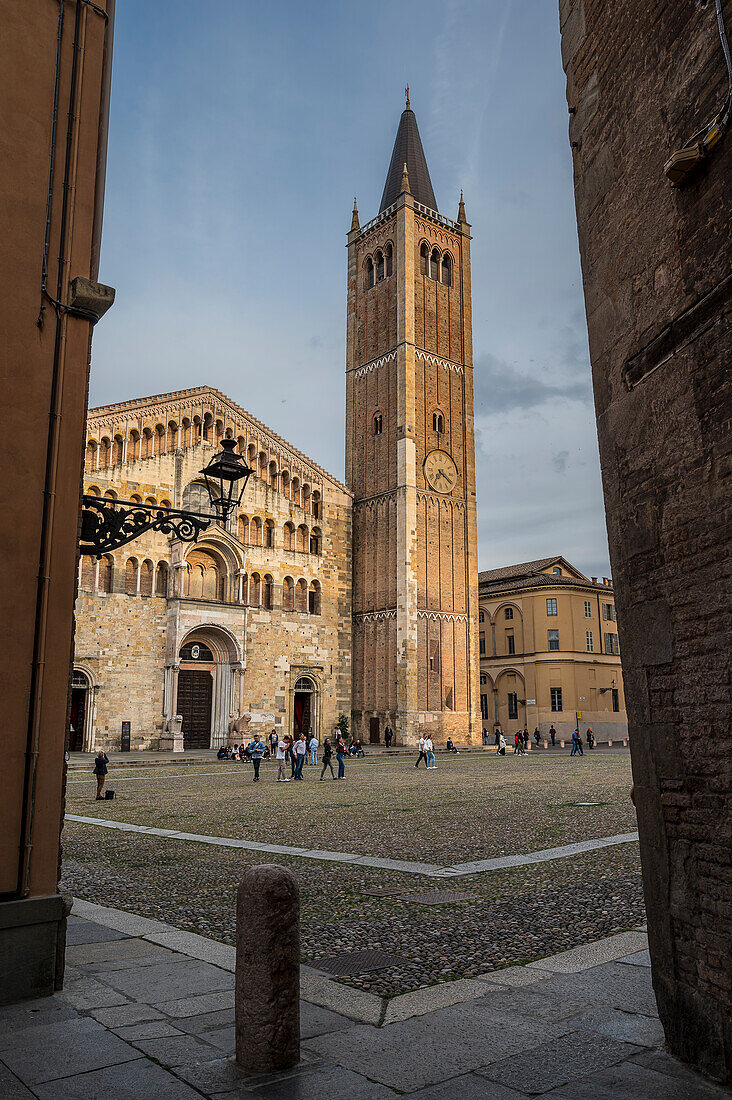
408	150
355	224
461	209
405	181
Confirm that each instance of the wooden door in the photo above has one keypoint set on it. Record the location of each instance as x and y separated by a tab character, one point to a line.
374	731
194	706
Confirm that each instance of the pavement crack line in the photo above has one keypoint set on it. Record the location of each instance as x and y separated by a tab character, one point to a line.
429	870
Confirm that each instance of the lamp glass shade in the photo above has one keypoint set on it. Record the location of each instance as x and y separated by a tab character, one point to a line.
226	477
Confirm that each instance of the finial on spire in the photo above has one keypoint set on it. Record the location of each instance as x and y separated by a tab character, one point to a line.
406	95
355	224
461	210
405	181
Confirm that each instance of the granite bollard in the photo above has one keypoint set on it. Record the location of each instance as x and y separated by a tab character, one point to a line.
268	970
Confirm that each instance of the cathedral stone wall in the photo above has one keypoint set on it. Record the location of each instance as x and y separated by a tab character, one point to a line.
271	613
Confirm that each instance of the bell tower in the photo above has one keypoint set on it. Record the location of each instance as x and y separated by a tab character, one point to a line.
410	460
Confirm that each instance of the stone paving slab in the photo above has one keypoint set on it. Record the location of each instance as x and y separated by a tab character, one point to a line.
11	1088
593	954
152	1029
514	976
469	1087
87	993
178	1050
82	931
423	1001
168	981
631	1081
429	1049
124	1015
61	1049
644	1031
638	958
27	1014
122	948
327	1083
138	1080
195	1006
558	1061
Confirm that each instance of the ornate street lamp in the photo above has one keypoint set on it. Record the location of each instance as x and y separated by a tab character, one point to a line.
106	525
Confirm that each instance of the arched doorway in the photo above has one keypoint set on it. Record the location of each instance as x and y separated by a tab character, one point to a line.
80	710
304	706
205	694
195	692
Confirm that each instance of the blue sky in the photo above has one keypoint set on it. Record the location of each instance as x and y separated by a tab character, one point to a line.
240	133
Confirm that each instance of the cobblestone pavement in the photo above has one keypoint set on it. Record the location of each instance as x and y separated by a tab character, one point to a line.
472	806
503	917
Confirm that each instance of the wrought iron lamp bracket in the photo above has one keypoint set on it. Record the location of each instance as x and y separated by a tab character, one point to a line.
107	525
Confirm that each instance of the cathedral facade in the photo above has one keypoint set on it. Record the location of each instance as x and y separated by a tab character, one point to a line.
317	598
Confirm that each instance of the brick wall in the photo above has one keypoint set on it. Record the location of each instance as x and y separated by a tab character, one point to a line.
656	260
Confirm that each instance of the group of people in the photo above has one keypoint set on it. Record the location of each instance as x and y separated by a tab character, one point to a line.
292	752
521	741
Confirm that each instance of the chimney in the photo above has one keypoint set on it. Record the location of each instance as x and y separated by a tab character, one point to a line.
594	580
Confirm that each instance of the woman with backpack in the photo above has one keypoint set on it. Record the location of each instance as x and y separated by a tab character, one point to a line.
327	758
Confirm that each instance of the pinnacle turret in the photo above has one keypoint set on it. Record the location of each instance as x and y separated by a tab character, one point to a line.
408	151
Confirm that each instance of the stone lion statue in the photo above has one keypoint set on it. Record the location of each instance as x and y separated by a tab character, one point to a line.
238	729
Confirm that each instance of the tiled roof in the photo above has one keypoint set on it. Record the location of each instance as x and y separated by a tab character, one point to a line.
538	580
523	570
408	150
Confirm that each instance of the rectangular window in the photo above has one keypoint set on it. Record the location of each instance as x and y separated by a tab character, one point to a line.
588	609
484	679
612	644
552	637
482	645
512	704
551	607
556	698
616	699
589	642
608	612
508	613
484	706
511	643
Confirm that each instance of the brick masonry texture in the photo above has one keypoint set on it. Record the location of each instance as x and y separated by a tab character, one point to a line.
657	258
409	359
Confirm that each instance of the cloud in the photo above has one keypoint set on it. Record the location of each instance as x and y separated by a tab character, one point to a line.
559	461
499	387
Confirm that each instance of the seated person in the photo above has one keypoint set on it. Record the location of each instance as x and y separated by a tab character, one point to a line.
359	747
450	747
223	753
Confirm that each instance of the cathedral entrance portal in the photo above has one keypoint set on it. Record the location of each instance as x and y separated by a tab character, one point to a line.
77	718
202	691
303	710
194	707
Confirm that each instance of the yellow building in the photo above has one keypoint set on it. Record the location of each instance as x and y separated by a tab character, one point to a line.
549	651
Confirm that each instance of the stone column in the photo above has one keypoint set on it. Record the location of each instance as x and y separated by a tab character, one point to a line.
268	970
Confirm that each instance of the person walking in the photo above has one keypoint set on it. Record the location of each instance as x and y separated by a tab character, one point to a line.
422	753
301	749
341	756
273	739
497	737
577	749
537	736
590	738
388	736
313	746
100	770
327	758
553	734
429	749
283	747
257	750
501	751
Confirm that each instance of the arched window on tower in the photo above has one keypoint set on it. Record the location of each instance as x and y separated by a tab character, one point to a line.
88	572
301	595
438	422
369	273
316	541
289	537
378	424
147	442
243	529
255	586
117	451
133	446
424	257
447	270
389	267
91	454
106	573
435	264
255	531
269	535
161	579
268	592
146	578
131	577
315	504
379	266
288	594
314	598
105	449
303	536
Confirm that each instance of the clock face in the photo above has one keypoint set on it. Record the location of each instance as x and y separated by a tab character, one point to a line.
440	471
